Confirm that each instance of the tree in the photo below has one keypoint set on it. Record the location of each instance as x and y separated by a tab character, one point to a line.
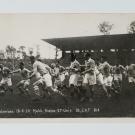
131	28
2	55
22	48
105	27
22	51
31	51
11	51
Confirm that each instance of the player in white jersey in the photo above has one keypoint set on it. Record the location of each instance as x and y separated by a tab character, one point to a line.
74	69
54	73
58	75
100	77
23	85
131	74
89	80
61	77
6	82
108	79
44	70
45	80
118	72
74	76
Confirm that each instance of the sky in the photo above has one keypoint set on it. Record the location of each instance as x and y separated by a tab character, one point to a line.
29	29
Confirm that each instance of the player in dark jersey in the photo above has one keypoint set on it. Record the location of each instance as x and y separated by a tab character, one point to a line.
6	82
23	85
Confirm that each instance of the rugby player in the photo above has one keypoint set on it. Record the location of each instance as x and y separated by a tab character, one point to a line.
45	80
58	75
108	79
118	72
99	76
131	75
89	80
25	82
6	82
74	76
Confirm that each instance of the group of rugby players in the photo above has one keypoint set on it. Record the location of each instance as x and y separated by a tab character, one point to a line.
79	80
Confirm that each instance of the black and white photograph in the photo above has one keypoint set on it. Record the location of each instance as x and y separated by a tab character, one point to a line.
67	65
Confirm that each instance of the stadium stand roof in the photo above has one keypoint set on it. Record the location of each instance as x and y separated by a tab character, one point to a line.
119	41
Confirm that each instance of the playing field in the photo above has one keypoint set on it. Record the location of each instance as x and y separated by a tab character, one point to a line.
14	105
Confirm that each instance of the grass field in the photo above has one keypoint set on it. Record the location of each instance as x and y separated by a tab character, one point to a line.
16	106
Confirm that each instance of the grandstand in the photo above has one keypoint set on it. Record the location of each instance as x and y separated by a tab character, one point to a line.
114	47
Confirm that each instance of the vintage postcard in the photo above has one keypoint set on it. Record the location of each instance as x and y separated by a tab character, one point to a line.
56	65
